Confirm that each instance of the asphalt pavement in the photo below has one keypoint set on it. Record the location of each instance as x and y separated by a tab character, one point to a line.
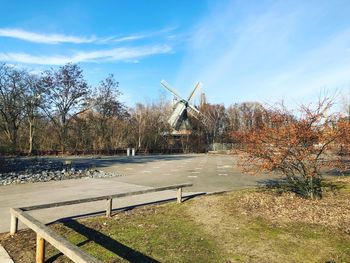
208	173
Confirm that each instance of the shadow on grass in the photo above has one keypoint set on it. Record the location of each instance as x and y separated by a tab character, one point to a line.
282	185
277	185
338	172
343	168
125	208
106	242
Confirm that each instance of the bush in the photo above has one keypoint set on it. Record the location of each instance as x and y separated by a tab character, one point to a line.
297	147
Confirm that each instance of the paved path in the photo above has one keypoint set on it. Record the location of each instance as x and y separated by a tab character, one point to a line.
4	256
42	193
207	173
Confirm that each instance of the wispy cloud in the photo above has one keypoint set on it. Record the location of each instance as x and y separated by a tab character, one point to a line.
44	38
138	36
47	38
116	54
114	39
128	38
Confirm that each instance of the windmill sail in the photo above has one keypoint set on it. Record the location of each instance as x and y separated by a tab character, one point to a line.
172	90
195	90
179	119
177	115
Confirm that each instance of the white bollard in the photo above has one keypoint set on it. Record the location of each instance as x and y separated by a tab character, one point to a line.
133	152
128	152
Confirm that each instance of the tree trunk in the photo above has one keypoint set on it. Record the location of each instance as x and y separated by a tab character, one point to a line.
31	135
13	138
312	196
63	148
63	138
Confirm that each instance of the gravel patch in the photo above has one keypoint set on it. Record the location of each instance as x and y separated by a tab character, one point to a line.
30	170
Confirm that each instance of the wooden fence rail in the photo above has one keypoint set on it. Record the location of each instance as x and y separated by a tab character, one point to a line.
107	197
44	233
73	252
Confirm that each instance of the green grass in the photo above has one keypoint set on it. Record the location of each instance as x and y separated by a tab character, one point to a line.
263	242
159	233
341	185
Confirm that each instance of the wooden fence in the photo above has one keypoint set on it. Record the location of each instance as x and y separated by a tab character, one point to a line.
73	252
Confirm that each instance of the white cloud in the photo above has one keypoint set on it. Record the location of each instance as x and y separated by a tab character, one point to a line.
122	39
133	37
61	38
44	38
116	54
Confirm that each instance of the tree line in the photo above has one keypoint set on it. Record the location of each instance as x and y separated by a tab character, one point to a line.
57	111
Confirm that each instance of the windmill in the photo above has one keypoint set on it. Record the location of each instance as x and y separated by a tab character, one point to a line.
179	118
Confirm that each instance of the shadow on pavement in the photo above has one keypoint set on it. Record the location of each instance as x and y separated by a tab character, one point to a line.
48	163
99	162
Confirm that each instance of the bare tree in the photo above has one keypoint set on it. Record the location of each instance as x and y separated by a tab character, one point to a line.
107	109
12	88
148	123
157	128
32	101
139	121
217	121
66	96
246	116
345	101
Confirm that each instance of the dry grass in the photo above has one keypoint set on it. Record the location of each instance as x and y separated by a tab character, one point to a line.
268	227
290	208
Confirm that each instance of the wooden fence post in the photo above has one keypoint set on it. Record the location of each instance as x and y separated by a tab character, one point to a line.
40	249
109	207
14	224
179	195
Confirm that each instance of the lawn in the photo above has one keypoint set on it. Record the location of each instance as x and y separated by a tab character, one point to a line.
242	226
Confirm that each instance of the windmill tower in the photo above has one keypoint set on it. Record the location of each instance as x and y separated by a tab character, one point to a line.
203	100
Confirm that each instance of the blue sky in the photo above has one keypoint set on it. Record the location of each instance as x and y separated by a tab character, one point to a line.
240	50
